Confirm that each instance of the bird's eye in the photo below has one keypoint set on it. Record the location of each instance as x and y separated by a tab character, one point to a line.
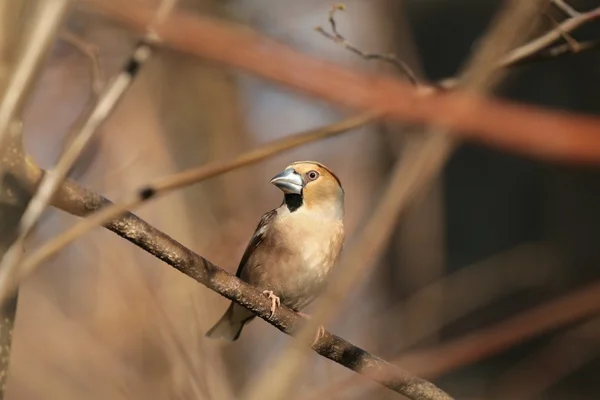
312	175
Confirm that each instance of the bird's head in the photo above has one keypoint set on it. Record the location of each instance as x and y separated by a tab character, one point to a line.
311	185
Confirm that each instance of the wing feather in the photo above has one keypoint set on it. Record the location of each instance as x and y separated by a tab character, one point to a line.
256	240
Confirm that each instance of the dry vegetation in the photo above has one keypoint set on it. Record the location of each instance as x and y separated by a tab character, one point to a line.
140	101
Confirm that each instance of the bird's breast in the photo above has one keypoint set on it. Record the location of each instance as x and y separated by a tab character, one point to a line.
311	249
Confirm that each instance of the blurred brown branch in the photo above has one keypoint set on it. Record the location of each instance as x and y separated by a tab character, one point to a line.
558	359
519	128
475	346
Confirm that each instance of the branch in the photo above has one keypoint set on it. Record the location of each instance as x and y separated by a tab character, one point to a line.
518	128
142	195
203	271
520	55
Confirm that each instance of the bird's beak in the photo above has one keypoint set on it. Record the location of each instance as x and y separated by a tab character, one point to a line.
289	181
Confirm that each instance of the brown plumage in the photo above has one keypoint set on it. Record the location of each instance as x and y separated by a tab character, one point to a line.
294	247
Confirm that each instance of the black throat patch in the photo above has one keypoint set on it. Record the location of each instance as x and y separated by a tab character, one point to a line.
293	201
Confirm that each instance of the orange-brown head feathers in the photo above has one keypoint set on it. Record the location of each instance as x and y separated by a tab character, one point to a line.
313	185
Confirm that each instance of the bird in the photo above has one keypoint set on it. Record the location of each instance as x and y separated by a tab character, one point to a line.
294	247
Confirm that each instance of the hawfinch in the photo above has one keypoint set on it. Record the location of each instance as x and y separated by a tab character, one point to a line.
294	247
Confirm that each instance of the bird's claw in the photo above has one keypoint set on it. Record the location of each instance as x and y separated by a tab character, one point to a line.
275	301
320	329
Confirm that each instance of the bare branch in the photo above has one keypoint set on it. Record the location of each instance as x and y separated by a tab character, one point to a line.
338	38
566	48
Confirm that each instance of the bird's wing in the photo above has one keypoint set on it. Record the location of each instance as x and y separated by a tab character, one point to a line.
257	238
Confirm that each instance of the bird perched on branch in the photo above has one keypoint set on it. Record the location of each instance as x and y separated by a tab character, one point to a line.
294	247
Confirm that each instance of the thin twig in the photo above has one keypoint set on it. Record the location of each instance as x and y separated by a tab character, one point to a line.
338	38
565	35
569	25
162	186
91	52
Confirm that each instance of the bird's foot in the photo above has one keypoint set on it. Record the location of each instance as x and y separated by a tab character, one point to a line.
275	302
320	329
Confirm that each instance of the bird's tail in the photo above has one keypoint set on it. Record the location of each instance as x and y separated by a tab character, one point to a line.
230	326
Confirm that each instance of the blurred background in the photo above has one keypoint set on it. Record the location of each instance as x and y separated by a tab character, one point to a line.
496	235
